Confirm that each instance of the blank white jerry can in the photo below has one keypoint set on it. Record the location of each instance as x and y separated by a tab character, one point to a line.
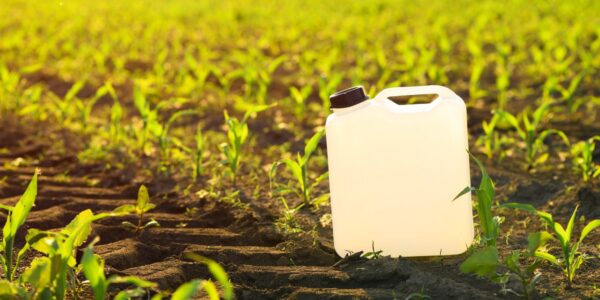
394	170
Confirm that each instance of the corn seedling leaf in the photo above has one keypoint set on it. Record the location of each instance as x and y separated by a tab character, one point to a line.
130	294
187	290
483	262
6	207
134	280
569	230
547	256
466	190
75	88
218	273
126	208
311	145
19	213
39	273
588	228
93	269
537	240
211	290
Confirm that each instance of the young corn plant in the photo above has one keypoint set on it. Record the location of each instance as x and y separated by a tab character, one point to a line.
583	160
50	275
64	106
115	130
571	258
485	261
521	265
164	140
529	132
15	219
85	107
568	93
199	154
149	115
142	206
287	222
485	199
327	86
491	142
475	90
299	98
237	135
190	289
92	266
93	269
33	106
299	169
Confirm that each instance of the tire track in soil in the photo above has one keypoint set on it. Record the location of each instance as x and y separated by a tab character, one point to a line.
259	268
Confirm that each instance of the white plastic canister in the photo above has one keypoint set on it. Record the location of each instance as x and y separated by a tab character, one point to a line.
394	171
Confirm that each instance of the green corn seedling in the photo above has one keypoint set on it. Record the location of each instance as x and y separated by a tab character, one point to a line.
326	87
33	106
85	107
93	269
571	259
10	83
529	132
485	198
568	93
150	123
51	273
287	223
64	106
199	69
219	275
485	262
502	84
15	219
475	91
142	206
299	169
164	140
583	160
237	135
199	154
115	129
491	142
299	98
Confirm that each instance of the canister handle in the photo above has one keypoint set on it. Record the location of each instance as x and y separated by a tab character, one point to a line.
441	91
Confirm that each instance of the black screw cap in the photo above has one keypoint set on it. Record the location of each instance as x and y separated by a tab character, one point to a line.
348	97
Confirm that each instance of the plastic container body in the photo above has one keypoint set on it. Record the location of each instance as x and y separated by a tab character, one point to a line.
394	171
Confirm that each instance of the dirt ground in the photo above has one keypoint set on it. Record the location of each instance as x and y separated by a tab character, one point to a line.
262	263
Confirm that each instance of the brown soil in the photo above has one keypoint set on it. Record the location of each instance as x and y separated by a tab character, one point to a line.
261	263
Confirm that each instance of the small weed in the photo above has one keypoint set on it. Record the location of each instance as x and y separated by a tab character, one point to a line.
373	254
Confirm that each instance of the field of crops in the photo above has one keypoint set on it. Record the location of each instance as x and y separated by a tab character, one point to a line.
175	149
